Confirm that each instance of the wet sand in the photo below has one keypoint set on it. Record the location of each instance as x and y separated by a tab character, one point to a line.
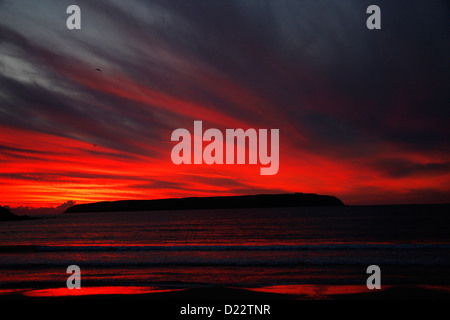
238	294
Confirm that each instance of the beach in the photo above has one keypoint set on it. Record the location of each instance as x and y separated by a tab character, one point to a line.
275	254
232	295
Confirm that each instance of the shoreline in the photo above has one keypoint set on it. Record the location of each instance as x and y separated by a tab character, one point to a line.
406	292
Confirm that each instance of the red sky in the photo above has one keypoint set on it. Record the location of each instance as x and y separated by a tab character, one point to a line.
362	115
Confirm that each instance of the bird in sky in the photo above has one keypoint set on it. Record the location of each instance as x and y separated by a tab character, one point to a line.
98	70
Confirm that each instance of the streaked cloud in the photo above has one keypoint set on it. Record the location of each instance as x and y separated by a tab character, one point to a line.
345	98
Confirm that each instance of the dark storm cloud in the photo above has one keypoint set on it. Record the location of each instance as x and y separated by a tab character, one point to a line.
316	60
398	168
310	68
42	110
288	54
30	105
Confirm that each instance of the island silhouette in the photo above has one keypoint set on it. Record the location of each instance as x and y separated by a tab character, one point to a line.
6	215
219	202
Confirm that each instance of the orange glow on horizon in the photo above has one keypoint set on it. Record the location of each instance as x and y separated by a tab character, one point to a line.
43	170
93	291
316	291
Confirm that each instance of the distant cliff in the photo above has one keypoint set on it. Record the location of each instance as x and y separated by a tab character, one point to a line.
253	201
6	215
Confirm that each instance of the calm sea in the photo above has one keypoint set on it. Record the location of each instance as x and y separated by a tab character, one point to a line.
249	248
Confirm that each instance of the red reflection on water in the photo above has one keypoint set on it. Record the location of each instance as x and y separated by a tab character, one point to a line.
10	291
436	288
87	291
315	291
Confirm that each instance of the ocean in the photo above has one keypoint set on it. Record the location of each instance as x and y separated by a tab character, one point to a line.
280	250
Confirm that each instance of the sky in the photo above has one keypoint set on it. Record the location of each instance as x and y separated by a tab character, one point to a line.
363	114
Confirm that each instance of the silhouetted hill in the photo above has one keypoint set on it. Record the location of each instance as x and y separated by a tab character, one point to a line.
6	215
253	201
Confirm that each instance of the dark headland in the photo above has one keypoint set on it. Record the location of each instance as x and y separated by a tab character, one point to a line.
6	215
225	202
